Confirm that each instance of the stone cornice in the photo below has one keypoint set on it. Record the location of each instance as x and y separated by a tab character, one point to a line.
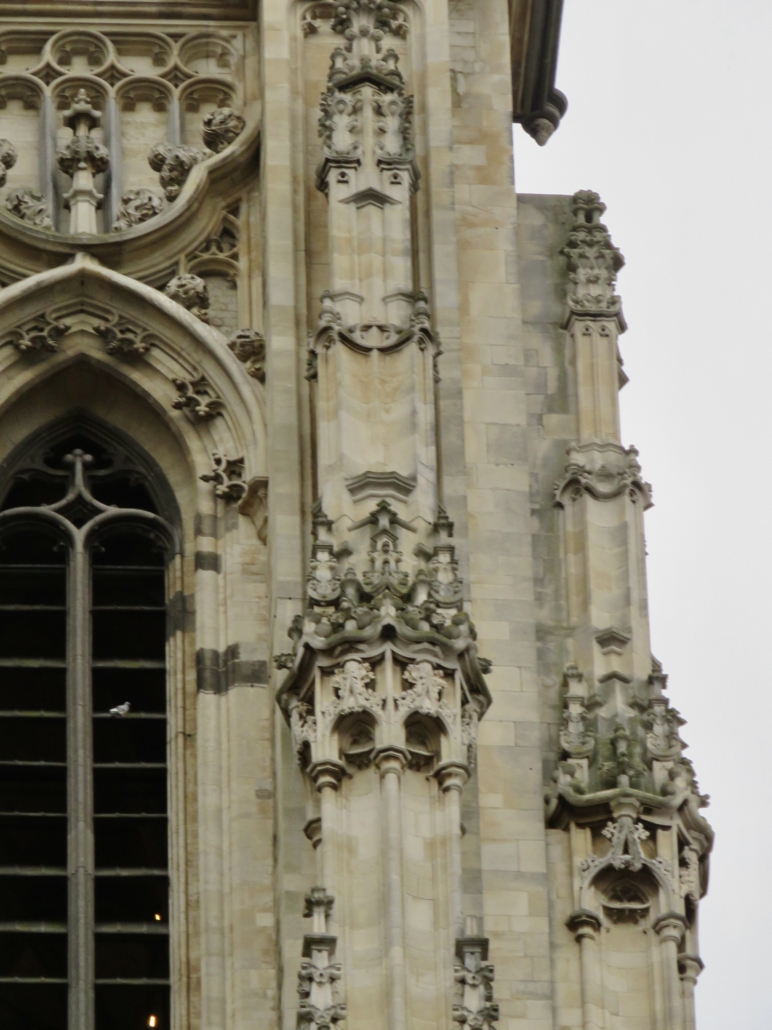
534	31
150	10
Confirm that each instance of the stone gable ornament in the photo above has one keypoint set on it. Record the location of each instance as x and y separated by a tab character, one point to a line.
125	338
197	399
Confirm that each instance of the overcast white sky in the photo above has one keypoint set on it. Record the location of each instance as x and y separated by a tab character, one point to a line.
670	120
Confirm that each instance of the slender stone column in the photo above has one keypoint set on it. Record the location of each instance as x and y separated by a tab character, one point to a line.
327	776
585	926
690	967
452	776
82	158
80	834
670	928
390	762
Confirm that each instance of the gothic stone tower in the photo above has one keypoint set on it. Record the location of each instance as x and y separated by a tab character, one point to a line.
326	690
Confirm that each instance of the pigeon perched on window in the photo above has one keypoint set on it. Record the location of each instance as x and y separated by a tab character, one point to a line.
120	710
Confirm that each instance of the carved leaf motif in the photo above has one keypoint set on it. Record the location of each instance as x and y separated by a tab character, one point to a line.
227	475
425	694
221	127
30	206
197	399
353	692
125	338
41	335
83	152
138	206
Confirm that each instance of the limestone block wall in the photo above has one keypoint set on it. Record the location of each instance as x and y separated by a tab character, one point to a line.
513	868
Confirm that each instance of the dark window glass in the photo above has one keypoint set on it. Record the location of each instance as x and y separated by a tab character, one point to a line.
120	608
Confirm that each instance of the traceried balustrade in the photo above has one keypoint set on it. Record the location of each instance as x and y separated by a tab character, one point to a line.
163	103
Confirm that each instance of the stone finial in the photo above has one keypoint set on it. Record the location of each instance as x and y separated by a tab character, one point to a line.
191	292
30	206
593	260
173	165
8	157
221	127
138	206
82	158
81	113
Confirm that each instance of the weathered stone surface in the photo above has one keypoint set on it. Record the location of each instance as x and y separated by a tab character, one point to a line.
391	495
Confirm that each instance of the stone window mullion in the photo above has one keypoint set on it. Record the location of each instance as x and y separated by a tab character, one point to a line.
80	800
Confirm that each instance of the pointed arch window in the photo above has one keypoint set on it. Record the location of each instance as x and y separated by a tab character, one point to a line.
84	886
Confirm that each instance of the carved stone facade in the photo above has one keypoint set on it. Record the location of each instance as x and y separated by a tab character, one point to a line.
422	766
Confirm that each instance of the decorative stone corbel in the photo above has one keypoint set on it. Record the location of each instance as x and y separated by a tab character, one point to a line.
605	472
255	505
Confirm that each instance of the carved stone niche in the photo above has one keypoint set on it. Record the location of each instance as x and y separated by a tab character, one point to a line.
625	900
356	737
